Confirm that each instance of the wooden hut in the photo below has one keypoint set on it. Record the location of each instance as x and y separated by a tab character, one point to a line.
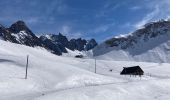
135	70
79	56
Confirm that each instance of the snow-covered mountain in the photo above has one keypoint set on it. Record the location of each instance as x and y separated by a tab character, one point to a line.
151	44
57	44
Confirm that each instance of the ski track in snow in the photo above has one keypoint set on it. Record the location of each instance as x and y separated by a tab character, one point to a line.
95	85
32	96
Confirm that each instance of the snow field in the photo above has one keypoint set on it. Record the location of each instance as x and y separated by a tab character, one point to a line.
53	77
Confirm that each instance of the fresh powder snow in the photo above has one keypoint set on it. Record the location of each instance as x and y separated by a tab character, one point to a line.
52	77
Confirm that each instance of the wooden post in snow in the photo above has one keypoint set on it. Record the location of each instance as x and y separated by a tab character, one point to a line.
26	67
95	66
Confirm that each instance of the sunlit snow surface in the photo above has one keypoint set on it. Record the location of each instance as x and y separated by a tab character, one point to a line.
53	77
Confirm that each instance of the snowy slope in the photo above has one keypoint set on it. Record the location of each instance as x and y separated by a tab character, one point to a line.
73	53
155	87
46	71
52	77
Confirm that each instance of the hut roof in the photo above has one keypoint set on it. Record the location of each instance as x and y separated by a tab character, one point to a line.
79	56
132	70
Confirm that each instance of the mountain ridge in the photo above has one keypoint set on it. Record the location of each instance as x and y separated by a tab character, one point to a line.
19	33
149	44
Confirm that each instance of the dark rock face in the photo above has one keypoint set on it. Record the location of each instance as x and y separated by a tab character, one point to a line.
6	35
77	44
80	43
122	42
74	44
24	35
60	39
57	44
91	44
48	44
20	26
56	47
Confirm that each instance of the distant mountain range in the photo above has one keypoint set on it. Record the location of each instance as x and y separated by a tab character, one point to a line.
150	43
19	33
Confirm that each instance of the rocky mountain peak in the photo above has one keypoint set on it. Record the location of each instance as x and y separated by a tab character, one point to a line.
59	38
91	44
150	30
20	26
56	43
73	44
150	43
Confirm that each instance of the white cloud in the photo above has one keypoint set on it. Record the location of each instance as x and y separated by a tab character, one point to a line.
69	32
75	35
135	8
108	7
62	8
65	29
103	28
126	25
148	18
58	6
160	10
32	20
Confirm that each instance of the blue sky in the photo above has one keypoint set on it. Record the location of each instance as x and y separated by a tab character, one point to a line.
99	19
